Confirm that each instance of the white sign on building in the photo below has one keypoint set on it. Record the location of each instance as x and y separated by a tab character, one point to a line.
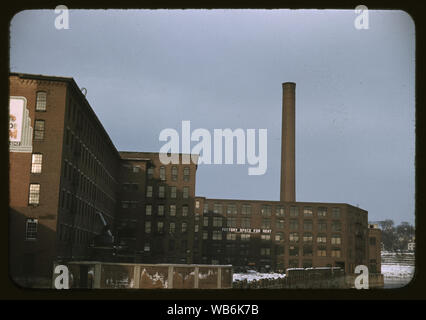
20	130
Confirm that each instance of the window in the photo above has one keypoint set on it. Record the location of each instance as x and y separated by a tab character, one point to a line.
307	212
293	263
34	197
307	225
36	163
205	235
173	192
172	210
307	264
124	204
373	266
149	191
336	226
293	251
266	223
148	210
322	212
335	252
160	210
266	211
147	226
185	192
174	173
294	237
197	204
171	245
231	222
336	239
231	236
294	224
265	237
231	209
147	247
307	251
321	252
335	213
294	211
307	237
265	251
205	221
31	229
162	173
41	101
217	208
245	237
322	225
280	224
245	223
321	238
136	169
186	174
217	235
206	208
39	130
160	226
184	227
279	236
161	191
184	211
150	172
280	212
217	221
246	210
196	228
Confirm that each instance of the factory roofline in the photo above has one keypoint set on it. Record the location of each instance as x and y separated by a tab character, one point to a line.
277	202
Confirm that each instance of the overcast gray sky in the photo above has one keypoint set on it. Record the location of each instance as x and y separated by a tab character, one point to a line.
149	70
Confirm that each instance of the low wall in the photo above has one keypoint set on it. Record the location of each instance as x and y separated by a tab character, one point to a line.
102	275
311	278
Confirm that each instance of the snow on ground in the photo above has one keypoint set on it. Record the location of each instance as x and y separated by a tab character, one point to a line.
250	276
397	271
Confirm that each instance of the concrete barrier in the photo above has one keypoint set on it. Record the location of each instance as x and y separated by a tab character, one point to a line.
103	275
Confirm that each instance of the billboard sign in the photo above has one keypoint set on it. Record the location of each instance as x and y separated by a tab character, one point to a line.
16	118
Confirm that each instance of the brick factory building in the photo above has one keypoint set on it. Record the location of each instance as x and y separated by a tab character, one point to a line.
74	197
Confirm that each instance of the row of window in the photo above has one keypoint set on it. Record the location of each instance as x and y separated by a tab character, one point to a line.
74	235
266	223
160	227
88	189
161	210
279	236
174	174
88	159
66	233
92	135
84	210
308	251
293	251
266	210
172	247
162	192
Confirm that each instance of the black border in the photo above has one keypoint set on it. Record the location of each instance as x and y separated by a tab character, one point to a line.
415	289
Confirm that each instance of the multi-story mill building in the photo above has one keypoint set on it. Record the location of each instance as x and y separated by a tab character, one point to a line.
73	196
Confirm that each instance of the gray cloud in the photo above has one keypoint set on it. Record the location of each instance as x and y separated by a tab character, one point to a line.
149	70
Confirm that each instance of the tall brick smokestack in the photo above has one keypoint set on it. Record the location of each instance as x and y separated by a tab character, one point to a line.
288	144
